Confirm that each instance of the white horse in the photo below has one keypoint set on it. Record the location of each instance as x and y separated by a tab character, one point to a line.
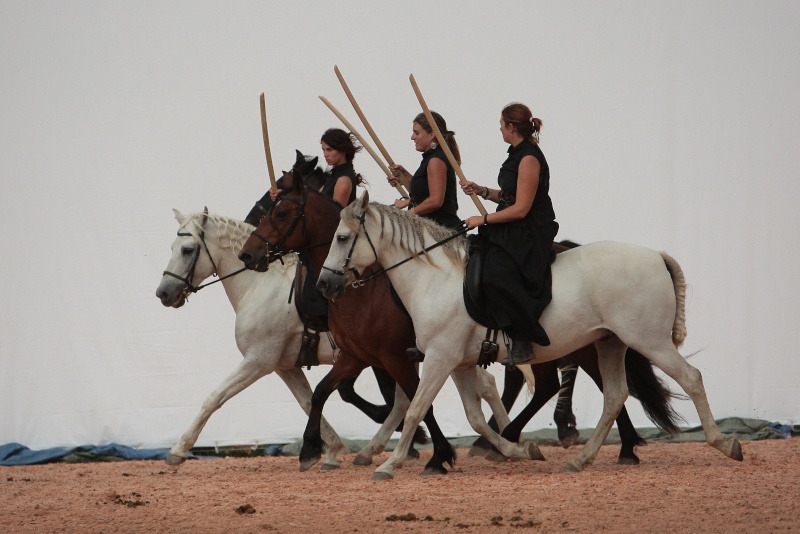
612	294
268	329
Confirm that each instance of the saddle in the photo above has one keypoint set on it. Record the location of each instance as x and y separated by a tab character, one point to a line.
312	308
474	299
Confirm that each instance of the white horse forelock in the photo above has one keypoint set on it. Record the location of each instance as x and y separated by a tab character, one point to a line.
230	234
408	231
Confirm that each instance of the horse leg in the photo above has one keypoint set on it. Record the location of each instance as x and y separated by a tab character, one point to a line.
629	438
669	360
468	384
344	368
546	376
245	374
487	390
422	392
389	390
298	384
512	385
348	394
379	414
563	415
378	442
611	362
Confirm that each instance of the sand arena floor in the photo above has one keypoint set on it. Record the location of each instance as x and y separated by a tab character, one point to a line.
679	487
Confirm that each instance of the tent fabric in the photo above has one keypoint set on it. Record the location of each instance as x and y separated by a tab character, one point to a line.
15	454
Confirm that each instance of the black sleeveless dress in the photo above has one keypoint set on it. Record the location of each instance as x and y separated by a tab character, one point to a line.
418	190
309	300
516	273
333	175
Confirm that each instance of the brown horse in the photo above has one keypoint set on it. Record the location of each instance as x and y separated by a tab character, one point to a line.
304	219
370	327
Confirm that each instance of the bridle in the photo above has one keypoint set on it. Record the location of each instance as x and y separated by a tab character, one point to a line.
361	226
191	288
273	250
359	282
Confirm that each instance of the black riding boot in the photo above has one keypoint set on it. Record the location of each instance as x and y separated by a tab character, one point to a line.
521	352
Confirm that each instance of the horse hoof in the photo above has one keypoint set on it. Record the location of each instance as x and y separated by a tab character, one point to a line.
496	456
413	454
305	465
329	467
174	459
571	468
434	470
380	475
476	450
570	438
736	451
362	460
626	460
532	451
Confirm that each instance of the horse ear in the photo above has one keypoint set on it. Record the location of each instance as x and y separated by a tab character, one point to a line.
361	204
180	217
299	159
205	217
306	167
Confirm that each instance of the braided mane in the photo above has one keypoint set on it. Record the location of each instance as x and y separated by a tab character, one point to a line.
230	234
409	232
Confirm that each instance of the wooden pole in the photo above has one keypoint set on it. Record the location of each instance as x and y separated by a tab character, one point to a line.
366	123
364	143
443	143
267	151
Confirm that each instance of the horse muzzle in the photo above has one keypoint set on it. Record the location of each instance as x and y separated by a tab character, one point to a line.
254	263
331	285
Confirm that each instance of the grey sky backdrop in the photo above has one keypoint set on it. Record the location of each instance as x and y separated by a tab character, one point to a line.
670	124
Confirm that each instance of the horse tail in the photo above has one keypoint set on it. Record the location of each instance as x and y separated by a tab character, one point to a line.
527	372
652	392
679	283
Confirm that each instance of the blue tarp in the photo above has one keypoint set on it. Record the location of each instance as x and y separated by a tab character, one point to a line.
745	429
16	454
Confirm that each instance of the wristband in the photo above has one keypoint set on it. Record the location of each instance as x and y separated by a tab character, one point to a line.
485	220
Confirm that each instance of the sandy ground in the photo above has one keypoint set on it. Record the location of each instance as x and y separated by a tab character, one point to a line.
681	487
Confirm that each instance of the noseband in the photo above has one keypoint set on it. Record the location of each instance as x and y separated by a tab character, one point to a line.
361	226
190	288
300	215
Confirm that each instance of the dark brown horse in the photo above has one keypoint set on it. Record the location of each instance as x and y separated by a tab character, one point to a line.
305	219
311	175
370	327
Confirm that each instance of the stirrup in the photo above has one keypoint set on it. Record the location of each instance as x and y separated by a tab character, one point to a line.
489	349
520	352
309	345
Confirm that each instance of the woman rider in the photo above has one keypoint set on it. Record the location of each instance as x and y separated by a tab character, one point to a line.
518	236
433	187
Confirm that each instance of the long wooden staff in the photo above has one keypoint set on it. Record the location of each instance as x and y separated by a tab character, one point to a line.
443	143
267	151
366	123
364	143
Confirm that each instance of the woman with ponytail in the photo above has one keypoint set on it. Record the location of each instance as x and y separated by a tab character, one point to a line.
517	238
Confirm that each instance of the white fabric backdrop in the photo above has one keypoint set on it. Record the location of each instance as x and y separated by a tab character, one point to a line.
668	124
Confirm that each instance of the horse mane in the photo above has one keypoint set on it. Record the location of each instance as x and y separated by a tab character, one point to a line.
231	233
408	231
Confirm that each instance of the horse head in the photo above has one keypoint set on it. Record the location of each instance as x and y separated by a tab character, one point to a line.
190	261
289	225
348	254
312	175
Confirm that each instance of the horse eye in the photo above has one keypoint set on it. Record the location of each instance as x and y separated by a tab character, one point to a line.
187	251
341	238
280	215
